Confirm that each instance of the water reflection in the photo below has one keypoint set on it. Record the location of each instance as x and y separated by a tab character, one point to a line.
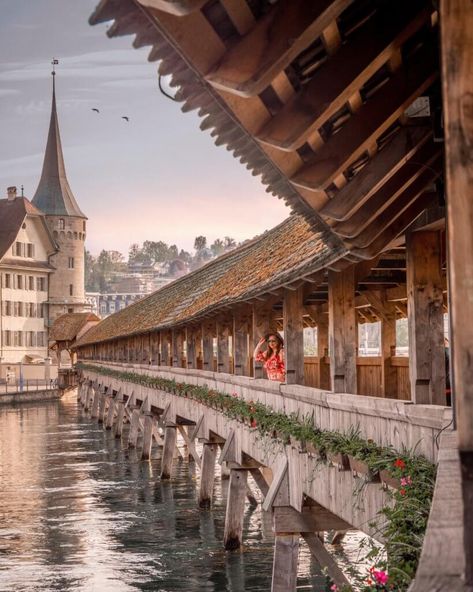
81	512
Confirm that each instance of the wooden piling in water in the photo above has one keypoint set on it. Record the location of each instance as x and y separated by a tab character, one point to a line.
120	419
207	476
147	437
170	438
102	407
286	553
233	533
95	404
110	414
134	428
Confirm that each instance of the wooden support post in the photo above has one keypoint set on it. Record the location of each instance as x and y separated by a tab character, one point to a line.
207	475
260	481
134	428
170	438
89	395
233	533
322	351
177	348
286	554
325	558
208	334
120	419
102	407
456	24
342	330
262	319
388	349
223	352
164	340
110	414
147	437
96	404
191	342
294	335
425	318
241	329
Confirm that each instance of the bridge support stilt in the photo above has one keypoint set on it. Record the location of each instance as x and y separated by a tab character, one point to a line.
102	407
286	553
147	437
120	419
170	439
95	404
237	489
110	415
207	476
134	429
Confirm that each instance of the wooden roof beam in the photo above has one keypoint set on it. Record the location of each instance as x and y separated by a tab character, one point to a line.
373	118
175	7
411	171
377	172
271	45
339	79
384	218
397	227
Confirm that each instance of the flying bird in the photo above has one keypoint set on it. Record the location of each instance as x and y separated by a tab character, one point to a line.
94	109
125	117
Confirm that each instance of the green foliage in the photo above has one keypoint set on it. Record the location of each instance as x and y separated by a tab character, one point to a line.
404	520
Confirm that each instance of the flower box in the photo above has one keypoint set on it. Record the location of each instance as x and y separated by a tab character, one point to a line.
339	459
388	480
361	469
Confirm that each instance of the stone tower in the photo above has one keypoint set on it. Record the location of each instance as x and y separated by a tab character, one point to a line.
67	224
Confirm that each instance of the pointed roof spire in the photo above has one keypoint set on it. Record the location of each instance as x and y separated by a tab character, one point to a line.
53	195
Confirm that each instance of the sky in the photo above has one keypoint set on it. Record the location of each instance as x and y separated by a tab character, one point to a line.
157	177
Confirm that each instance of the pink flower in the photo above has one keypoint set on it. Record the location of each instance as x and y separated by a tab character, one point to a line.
406	481
334	588
381	577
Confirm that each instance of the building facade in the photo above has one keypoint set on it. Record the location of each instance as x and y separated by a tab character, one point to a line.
104	305
26	248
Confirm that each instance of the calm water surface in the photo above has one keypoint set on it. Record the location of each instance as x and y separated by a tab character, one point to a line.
80	512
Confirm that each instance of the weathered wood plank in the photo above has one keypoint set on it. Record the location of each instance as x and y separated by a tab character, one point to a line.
207	474
294	335
290	26
286	554
315	518
342	330
170	439
325	559
237	487
425	318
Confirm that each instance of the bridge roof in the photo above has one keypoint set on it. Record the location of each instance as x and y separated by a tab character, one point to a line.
276	258
329	103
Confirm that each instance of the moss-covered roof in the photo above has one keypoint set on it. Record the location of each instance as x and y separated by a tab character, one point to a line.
282	255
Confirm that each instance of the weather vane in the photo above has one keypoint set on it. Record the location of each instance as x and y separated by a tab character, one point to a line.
54	63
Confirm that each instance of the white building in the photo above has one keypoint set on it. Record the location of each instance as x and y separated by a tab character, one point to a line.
26	245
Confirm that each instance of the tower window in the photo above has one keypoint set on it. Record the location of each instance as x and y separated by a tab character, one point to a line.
83	226
19	249
30	248
62	224
70	263
7	280
71	289
30	282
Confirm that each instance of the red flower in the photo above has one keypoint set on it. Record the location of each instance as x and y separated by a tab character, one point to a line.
399	463
253	423
402	491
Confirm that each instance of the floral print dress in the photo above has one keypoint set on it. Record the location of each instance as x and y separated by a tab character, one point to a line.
274	366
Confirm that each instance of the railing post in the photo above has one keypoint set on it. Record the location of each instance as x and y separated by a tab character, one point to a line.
223	355
342	330
241	329
294	335
456	24
177	348
388	349
191	341
425	318
208	334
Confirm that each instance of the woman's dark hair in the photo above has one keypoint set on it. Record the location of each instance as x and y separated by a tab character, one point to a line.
279	339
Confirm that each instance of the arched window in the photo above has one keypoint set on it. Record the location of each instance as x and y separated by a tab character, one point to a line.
75	235
69	235
62	224
80	235
62	235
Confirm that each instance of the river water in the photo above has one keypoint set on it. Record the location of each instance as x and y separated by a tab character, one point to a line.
80	512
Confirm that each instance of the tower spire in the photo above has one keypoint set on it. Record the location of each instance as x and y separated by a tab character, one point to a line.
54	195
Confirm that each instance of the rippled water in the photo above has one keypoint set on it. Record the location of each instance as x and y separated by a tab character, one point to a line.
80	512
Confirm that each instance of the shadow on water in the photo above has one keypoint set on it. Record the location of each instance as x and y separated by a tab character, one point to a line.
80	512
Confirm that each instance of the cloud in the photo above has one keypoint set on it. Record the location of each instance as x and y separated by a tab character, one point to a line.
6	92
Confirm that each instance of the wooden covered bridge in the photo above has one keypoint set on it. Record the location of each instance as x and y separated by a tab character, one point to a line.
359	115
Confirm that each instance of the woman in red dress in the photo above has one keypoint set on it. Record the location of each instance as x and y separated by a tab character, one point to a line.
273	357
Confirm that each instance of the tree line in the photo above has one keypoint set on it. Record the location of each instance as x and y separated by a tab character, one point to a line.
175	261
